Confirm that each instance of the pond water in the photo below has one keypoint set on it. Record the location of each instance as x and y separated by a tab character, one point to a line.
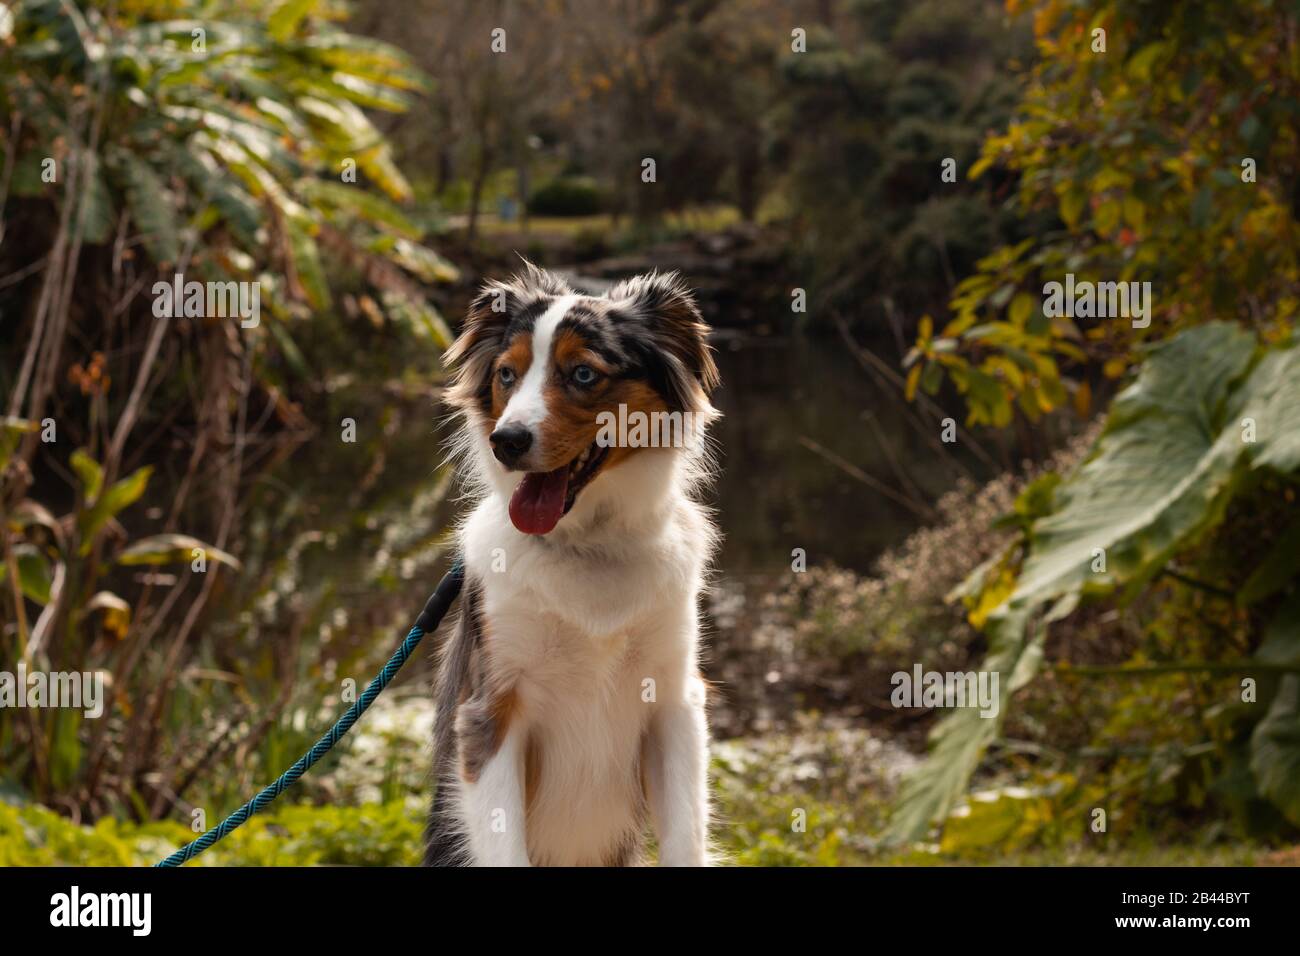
347	539
776	493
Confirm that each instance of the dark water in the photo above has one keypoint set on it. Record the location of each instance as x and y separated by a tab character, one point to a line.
776	494
348	538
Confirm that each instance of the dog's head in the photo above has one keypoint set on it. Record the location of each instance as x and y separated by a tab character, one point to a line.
561	389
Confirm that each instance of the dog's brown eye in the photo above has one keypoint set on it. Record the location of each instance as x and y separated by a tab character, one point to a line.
506	376
584	375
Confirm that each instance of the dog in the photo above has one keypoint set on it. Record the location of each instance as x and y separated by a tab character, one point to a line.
570	708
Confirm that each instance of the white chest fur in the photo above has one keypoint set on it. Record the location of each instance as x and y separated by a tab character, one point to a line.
592	634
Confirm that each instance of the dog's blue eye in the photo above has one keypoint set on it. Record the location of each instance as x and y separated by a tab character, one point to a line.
507	376
584	375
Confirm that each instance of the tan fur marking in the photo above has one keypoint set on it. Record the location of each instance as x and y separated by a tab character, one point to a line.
532	772
570	349
519	356
638	396
481	725
571	423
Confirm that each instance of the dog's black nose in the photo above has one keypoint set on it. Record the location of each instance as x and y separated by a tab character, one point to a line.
510	444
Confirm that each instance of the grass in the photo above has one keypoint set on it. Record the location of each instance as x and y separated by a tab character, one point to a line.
389	834
689	221
814	796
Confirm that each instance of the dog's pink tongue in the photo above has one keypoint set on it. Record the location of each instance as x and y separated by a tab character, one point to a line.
538	503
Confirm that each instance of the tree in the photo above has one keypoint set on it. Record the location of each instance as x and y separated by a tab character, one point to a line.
1170	158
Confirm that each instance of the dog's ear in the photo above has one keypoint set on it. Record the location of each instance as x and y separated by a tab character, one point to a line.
487	328
481	339
665	321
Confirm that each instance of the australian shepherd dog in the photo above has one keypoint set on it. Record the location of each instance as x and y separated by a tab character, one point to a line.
570	705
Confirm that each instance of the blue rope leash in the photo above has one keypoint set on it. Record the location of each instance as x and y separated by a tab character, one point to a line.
427	622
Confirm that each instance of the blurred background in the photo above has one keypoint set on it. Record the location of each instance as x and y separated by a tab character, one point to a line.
921	464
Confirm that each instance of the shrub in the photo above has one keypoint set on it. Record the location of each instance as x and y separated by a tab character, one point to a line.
1206	431
567	196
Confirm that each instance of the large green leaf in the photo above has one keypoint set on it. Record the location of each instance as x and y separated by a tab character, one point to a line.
1281	644
1158	477
929	792
1275	742
1270	403
1275	750
958	741
1180	442
1279	567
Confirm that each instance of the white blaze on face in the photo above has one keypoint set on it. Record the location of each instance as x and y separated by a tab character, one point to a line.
527	406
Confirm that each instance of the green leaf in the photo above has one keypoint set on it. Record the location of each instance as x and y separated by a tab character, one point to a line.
420	316
34	578
355	200
1072	203
172	549
120	496
423	262
90	473
1170	459
363	92
958	741
1281	644
1158	477
1021	308
213	184
1006	817
1275	750
979	167
365	57
1140	63
289	349
307	263
288	14
98	214
346	130
1106	218
1202	207
1279	568
12	431
151	208
1271	400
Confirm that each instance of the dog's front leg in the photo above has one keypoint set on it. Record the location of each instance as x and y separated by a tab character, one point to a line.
677	770
492	791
